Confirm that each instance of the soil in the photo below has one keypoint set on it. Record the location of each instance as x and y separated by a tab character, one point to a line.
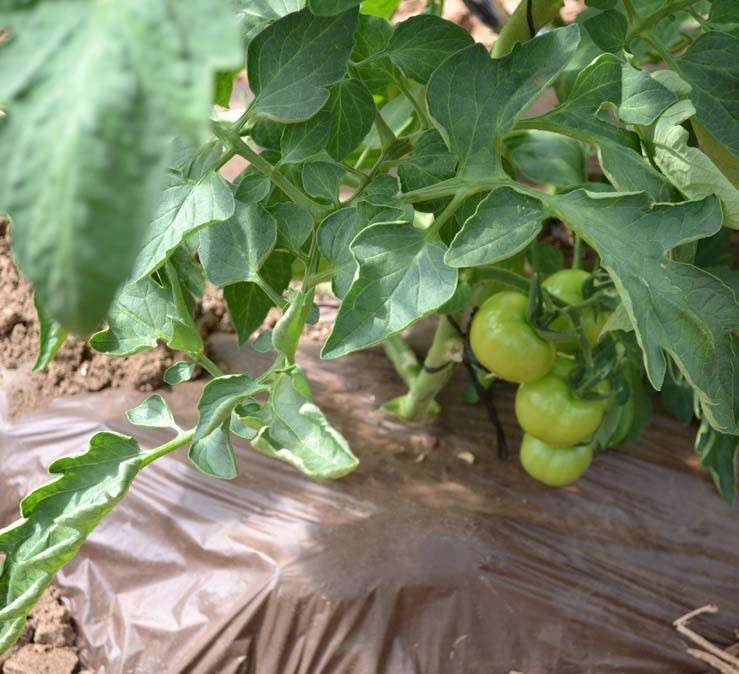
48	644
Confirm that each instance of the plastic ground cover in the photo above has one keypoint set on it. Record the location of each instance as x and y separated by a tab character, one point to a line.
418	563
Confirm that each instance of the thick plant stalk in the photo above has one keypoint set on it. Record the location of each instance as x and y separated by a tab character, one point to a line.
526	20
419	404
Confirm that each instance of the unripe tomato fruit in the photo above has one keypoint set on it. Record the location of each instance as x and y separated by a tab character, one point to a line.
552	465
566	285
505	343
549	410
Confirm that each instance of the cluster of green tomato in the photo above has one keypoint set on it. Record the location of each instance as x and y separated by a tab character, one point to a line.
557	424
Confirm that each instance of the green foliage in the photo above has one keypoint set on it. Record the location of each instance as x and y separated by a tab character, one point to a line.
396	164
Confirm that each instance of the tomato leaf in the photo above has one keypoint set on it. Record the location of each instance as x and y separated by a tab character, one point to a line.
235	250
331	7
402	277
674	307
711	67
214	455
180	371
185	206
57	518
218	399
718	453
643	97
335	233
421	43
142	313
322	179
51	337
475	99
152	411
287	331
691	171
293	61
255	15
93	93
300	435
504	223
549	158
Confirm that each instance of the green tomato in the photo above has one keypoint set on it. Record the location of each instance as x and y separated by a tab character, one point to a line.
549	410
505	343
566	285
552	465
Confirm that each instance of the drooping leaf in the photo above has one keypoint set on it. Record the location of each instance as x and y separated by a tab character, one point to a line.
78	79
234	250
504	223
294	61
475	99
286	333
214	455
50	339
185	206
57	518
691	171
152	411
711	67
581	116
142	313
300	435
421	43
718	453
402	277
675	307
549	158
218	399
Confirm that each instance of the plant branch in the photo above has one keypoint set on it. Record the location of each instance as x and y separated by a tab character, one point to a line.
168	447
402	357
207	364
523	24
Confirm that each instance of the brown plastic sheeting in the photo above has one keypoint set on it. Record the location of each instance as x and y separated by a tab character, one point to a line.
418	563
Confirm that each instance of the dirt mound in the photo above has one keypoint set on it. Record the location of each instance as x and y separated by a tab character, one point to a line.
48	644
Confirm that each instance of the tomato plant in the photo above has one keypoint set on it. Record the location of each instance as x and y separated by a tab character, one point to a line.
394	163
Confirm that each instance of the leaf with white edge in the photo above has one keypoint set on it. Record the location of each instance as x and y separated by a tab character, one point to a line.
711	67
675	307
691	171
420	44
154	412
643	98
335	233
179	372
140	315
331	7
219	397
549	158
214	455
402	278
93	92
235	250
322	180
185	206
581	116
50	339
57	518
294	61
504	223
476	100
300	435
